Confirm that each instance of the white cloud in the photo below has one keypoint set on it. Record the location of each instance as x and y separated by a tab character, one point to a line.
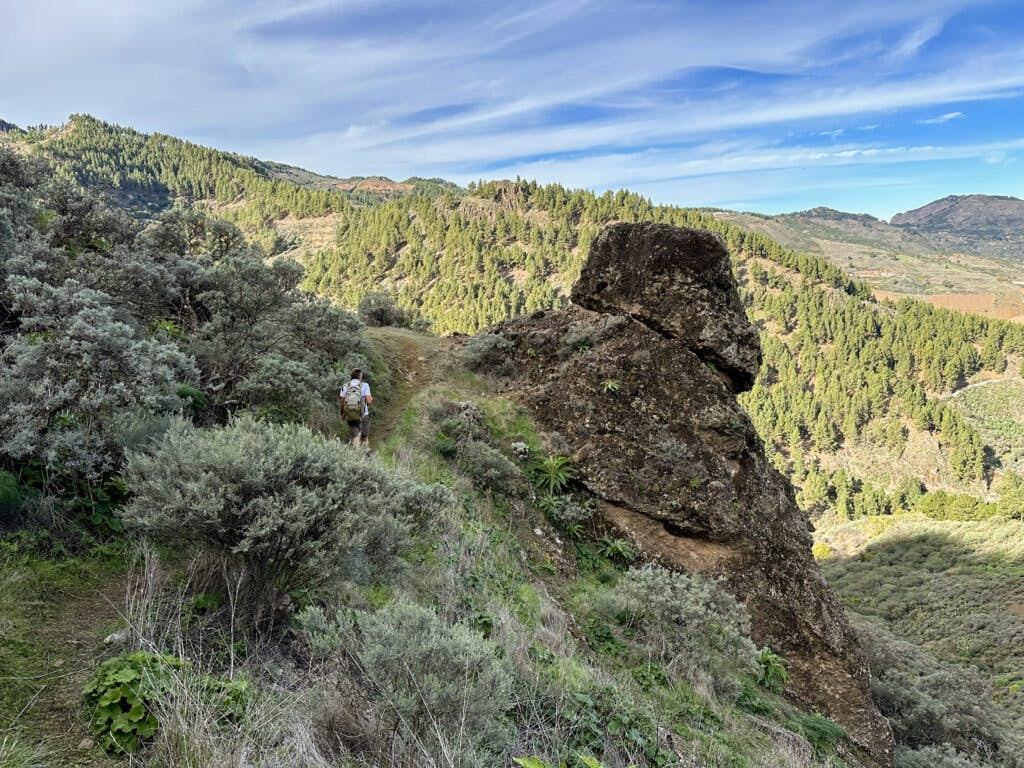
942	118
672	88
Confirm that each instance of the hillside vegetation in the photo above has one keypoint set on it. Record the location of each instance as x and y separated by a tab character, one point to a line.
459	263
158	374
149	172
272	596
953	590
840	368
897	262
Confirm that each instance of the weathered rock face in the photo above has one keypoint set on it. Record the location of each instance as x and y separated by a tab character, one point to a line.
674	458
676	281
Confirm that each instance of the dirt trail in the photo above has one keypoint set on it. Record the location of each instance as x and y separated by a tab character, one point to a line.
69	633
413	358
978	384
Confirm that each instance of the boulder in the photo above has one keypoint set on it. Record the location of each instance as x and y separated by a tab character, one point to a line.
640	381
678	282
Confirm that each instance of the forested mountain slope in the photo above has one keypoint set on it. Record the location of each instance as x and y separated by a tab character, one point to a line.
149	172
842	370
463	262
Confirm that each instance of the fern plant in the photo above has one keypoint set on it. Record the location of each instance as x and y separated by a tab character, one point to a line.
772	674
553	473
616	549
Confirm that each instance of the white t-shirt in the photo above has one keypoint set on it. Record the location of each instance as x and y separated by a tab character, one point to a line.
365	392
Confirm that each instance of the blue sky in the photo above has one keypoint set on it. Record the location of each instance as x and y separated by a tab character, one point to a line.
771	106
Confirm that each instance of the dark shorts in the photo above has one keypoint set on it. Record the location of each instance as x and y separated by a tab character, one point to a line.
359	429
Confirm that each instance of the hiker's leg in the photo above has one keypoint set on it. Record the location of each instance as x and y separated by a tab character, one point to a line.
364	431
354	431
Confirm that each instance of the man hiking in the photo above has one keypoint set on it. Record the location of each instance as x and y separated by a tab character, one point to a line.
355	409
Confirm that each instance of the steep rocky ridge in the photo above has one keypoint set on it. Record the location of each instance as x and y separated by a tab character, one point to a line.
673	458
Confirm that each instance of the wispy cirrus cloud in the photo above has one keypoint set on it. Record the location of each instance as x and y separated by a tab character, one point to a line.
942	118
600	91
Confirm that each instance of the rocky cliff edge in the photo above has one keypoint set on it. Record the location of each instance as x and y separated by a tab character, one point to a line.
675	461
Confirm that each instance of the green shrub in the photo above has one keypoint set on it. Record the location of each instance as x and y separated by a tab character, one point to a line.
823	734
929	703
616	549
691	624
126	694
553	474
445	445
459	420
488	468
649	675
284	507
489	353
601	716
751	699
772	674
940	505
192	395
569	514
437	681
379	309
943	756
120	695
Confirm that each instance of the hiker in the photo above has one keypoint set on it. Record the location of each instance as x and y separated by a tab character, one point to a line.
355	408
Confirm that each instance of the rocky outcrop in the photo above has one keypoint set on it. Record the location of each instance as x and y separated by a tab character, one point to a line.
673	458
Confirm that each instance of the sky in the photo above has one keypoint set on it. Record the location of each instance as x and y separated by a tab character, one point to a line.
865	106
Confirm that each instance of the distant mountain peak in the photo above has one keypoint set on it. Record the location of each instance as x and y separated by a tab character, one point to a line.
998	215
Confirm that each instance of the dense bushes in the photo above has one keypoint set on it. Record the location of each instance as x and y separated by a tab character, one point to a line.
488	468
930	704
284	506
689	623
937	757
107	330
443	688
379	309
436	676
488	352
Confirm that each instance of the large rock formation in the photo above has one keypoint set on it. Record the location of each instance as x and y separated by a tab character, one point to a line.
675	460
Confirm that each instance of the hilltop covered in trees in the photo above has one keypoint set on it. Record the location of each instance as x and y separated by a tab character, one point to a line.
149	172
839	366
841	369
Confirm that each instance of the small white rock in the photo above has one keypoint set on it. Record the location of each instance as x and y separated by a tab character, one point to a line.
116	638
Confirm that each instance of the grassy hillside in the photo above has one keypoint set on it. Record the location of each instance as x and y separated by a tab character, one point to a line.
994	409
196	571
